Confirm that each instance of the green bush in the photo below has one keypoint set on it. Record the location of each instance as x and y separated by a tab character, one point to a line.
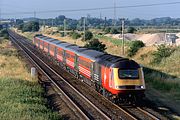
88	36
107	30
31	26
134	47
4	33
114	31
163	51
76	35
131	30
95	44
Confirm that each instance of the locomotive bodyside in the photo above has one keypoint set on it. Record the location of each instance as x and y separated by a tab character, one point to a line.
108	74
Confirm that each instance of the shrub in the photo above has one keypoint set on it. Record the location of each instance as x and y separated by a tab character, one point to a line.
31	26
131	30
4	33
107	30
88	36
114	31
134	47
95	44
76	35
163	51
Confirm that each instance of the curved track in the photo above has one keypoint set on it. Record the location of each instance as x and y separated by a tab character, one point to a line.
93	111
80	103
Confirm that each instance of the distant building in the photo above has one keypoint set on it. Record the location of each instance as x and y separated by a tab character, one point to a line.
170	38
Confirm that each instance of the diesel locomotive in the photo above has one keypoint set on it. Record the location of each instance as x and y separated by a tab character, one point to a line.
113	76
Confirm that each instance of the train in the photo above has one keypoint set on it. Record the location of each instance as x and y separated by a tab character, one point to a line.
115	77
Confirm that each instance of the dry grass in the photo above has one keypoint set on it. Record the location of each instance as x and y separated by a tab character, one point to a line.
21	97
10	65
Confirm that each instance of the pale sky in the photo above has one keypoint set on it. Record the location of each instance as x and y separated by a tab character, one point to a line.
11	6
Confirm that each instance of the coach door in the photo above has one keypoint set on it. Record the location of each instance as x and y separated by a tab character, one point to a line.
48	48
55	52
76	62
97	73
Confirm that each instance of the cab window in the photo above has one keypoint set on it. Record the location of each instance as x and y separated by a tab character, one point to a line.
128	74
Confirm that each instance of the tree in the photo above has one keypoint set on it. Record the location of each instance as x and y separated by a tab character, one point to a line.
31	26
20	26
114	31
19	21
107	30
163	51
95	44
76	35
131	30
88	35
135	46
1	27
4	33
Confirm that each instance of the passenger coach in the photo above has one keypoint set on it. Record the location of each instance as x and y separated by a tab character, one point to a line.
113	76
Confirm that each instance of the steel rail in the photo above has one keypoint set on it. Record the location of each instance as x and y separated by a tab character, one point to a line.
97	109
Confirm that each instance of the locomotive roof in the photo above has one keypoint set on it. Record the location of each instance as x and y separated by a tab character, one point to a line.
50	40
55	41
102	58
91	54
76	48
63	45
117	62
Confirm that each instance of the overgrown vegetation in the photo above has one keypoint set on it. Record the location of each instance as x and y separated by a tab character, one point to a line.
21	97
162	52
131	30
163	82
88	36
95	44
134	47
4	33
163	76
117	42
111	30
76	35
31	26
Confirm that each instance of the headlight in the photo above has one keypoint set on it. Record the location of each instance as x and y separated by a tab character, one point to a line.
140	87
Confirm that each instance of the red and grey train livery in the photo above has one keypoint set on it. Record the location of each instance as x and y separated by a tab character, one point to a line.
113	76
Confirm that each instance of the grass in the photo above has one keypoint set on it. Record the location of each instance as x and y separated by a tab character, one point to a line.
162	81
21	97
165	76
117	42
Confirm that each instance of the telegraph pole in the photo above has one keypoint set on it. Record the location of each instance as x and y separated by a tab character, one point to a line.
34	15
114	13
44	23
105	19
0	15
64	27
123	36
84	28
0	10
52	22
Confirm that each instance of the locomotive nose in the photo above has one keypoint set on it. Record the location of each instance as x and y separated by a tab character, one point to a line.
129	79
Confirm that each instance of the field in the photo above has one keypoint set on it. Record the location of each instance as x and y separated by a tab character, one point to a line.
21	96
162	80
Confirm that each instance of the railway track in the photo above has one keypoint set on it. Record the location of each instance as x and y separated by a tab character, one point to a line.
93	111
85	108
140	113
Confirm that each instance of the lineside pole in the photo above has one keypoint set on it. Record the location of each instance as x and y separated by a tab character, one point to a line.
84	28
64	27
123	36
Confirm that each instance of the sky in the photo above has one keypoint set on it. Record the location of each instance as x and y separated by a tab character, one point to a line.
14	6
